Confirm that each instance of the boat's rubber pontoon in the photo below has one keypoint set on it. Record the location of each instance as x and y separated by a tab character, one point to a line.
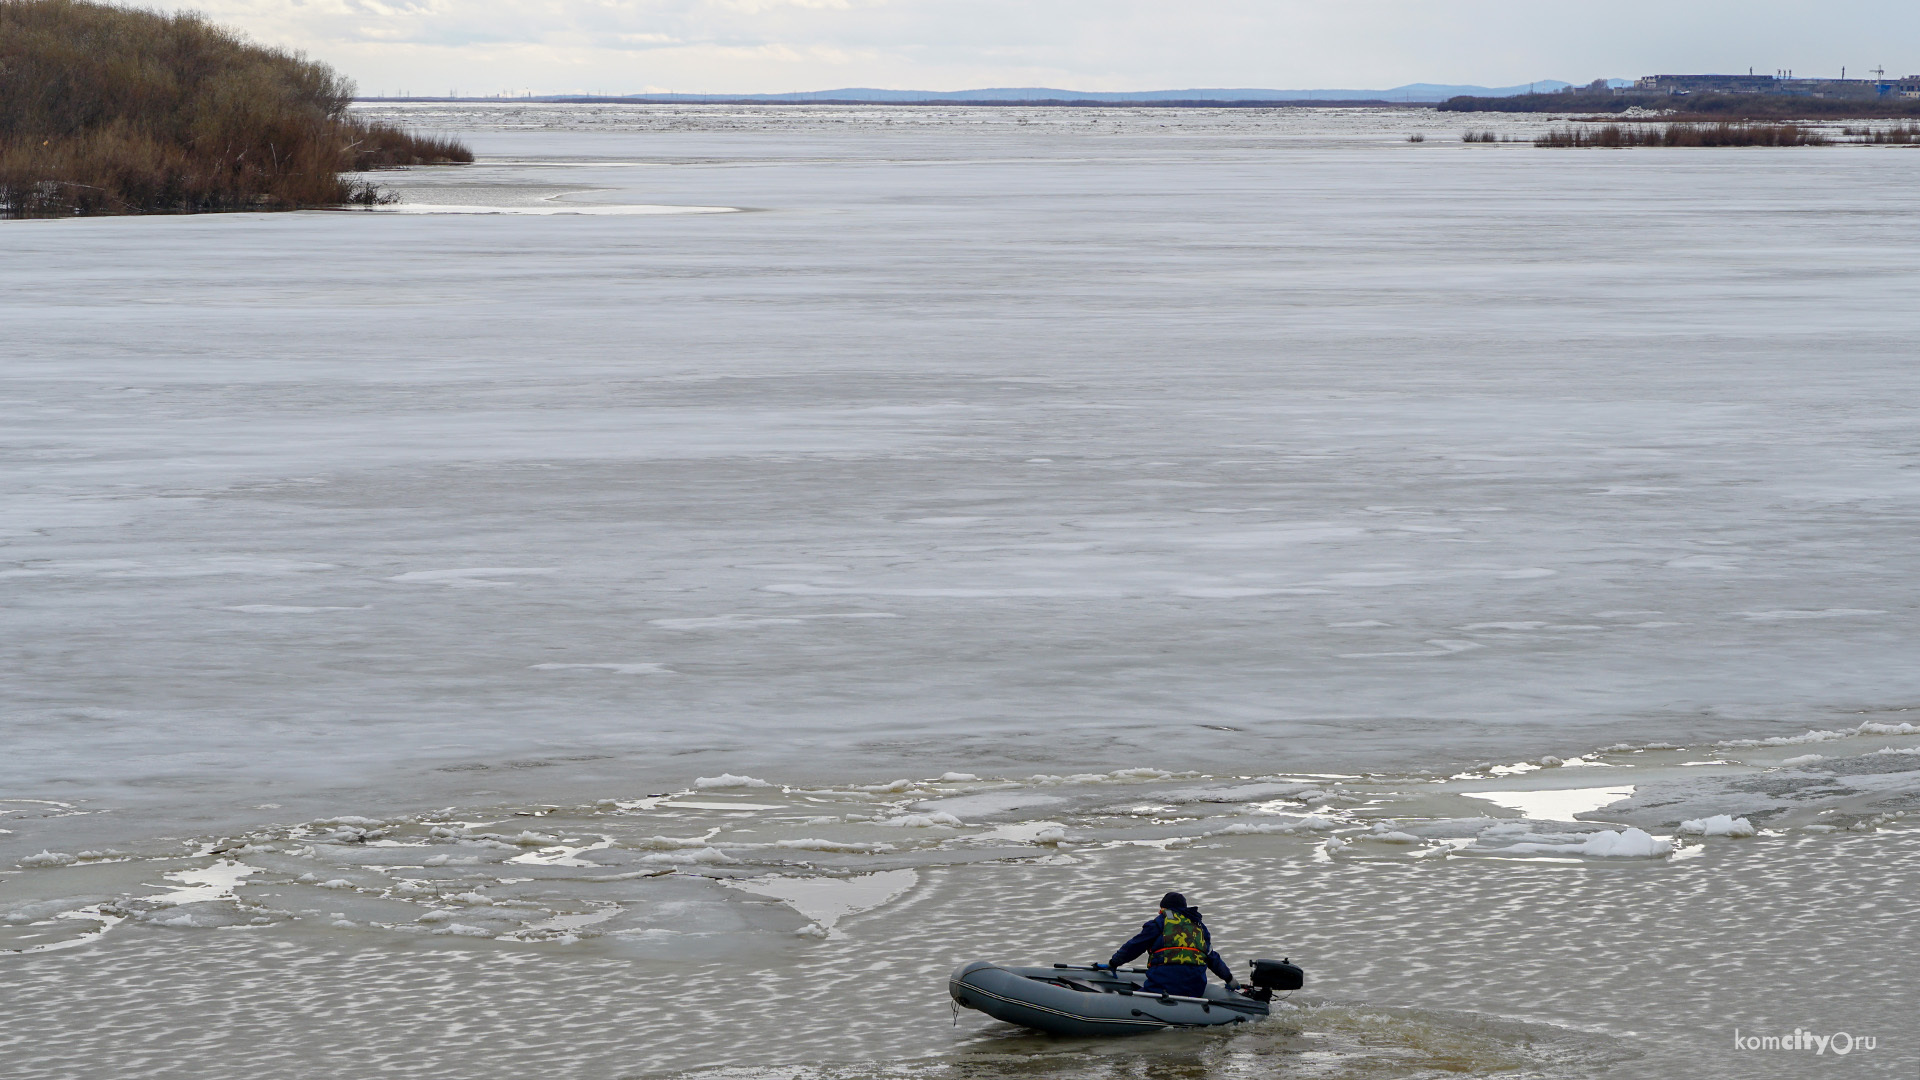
1069	1000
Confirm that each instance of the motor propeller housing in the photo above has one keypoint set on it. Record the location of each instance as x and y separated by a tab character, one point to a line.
1281	975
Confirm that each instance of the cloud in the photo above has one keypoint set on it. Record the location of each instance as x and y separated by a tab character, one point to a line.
772	45
754	7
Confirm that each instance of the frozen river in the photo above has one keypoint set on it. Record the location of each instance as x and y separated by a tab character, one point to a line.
1195	491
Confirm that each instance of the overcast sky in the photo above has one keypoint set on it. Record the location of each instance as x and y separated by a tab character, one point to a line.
751	46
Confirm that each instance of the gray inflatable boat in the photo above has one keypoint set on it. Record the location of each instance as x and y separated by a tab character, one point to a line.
1070	1000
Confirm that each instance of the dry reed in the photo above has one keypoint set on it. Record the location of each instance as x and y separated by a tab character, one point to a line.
1726	134
1897	135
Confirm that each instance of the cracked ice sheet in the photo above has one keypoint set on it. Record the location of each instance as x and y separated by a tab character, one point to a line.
1009	408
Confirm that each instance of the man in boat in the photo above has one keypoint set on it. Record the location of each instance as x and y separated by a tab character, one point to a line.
1179	951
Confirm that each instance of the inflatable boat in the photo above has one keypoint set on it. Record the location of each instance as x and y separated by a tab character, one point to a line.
1066	999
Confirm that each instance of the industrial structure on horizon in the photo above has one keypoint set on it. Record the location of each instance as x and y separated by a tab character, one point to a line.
1782	82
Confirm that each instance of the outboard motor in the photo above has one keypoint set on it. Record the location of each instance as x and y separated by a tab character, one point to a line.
1272	975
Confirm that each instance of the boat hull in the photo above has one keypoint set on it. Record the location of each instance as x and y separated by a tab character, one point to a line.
1076	1001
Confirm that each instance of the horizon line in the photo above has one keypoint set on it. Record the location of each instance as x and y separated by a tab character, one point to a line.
1406	93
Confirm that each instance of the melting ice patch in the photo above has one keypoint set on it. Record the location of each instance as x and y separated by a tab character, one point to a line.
104	920
729	780
1555	805
1027	832
207	883
563	855
827	900
1819	735
988	804
923	821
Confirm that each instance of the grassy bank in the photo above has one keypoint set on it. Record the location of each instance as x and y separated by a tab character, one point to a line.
1728	134
1696	107
1897	135
107	110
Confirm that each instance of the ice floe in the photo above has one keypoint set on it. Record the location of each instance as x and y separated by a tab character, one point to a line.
827	900
1557	804
729	780
1718	825
1629	843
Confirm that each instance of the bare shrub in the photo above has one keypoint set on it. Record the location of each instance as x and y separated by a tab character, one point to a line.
107	110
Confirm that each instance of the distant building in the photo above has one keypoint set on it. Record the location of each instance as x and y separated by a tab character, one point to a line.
1707	84
1778	84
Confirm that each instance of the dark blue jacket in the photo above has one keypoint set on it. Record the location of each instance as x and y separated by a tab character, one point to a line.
1149	936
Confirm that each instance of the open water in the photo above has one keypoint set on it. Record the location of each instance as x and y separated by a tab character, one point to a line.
652	602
